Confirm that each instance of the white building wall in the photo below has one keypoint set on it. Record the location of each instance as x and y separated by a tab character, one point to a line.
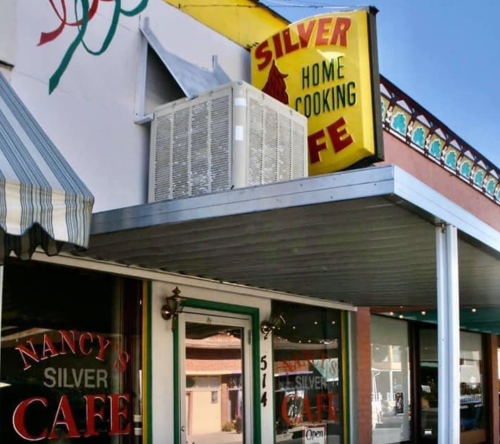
7	32
163	358
90	114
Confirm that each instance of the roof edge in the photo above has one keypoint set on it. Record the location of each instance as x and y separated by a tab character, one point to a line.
443	210
347	185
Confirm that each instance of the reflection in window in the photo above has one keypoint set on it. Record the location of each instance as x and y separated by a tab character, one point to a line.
308	374
70	356
215	405
390	381
428	385
472	415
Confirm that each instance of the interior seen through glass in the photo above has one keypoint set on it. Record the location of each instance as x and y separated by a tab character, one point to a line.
214	384
472	409
70	344
308	381
391	415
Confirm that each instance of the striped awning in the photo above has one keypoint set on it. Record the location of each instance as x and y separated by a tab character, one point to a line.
42	200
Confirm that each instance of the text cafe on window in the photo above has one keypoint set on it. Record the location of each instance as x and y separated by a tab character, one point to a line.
241	301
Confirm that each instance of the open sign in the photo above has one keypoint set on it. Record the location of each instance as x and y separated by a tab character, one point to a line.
315	434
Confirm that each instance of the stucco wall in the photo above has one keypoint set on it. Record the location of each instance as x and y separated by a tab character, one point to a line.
8	32
163	359
90	114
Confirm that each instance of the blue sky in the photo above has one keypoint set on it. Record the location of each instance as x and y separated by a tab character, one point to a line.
445	54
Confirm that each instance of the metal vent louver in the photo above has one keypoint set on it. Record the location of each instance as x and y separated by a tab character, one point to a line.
231	137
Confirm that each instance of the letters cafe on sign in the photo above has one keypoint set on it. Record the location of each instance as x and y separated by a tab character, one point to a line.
326	69
298	298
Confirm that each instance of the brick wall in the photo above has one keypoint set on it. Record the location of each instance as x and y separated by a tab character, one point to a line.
491	398
363	407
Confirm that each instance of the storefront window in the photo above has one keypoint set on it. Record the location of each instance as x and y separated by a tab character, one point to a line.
472	414
70	360
498	385
390	381
472	417
308	374
428	389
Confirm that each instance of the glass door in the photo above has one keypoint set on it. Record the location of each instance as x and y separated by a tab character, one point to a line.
215	378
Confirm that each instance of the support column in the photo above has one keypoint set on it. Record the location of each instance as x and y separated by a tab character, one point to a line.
448	335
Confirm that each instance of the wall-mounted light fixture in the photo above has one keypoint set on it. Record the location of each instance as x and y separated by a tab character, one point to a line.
275	322
173	307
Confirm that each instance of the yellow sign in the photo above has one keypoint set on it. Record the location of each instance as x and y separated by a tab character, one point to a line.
326	68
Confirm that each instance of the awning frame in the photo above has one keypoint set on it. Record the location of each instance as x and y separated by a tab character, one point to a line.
389	181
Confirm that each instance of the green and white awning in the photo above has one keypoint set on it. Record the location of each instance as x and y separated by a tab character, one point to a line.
42	200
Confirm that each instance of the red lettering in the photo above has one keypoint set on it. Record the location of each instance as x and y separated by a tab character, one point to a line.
323	357
306	413
103	345
289	46
308	356
323	28
284	409
332	411
67	420
116	413
263	52
69	341
277	45
306	410
18	420
339	136
82	343
29	353
342	25
121	364
316	145
92	413
319	405
298	362
64	425
289	366
305	33
48	347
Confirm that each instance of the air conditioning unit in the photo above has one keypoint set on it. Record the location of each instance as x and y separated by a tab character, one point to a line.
231	137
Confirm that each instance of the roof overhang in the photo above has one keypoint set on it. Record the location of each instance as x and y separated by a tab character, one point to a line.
365	237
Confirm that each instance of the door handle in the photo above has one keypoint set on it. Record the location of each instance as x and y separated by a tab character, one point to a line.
183	428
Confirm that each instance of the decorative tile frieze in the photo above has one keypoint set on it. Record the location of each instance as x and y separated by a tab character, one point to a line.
420	130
